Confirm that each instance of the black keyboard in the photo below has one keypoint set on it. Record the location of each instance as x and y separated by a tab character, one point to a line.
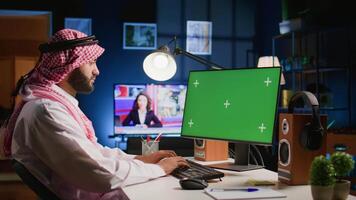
197	171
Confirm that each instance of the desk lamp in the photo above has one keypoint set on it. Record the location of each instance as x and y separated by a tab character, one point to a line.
160	65
271	61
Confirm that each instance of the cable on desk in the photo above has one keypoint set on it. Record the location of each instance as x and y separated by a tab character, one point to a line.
253	157
259	154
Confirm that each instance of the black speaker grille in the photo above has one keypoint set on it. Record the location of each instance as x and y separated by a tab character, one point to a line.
284	153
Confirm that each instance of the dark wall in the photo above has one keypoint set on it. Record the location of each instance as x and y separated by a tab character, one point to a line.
59	9
242	31
269	14
234	38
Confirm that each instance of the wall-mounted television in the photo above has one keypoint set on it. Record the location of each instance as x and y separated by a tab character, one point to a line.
167	104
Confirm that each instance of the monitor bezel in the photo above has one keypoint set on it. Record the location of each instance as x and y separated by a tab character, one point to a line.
231	140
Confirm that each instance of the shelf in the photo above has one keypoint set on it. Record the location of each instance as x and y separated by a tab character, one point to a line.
314	70
333	108
343	131
285	36
305	54
305	110
311	30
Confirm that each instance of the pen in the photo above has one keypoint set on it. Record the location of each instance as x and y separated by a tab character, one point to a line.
158	138
233	189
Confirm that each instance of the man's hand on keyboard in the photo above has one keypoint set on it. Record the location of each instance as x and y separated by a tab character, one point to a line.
156	156
171	163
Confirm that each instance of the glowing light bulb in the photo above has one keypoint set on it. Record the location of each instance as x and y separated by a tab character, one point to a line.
160	61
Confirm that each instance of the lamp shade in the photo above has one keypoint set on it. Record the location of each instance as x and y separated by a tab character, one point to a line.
160	65
271	61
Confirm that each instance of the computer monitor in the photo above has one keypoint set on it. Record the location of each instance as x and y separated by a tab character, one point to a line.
237	105
167	104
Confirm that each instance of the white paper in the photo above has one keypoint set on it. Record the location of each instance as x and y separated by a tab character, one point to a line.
260	194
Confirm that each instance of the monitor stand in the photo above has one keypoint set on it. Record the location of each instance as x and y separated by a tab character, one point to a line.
242	151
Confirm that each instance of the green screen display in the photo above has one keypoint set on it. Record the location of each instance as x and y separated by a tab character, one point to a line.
236	105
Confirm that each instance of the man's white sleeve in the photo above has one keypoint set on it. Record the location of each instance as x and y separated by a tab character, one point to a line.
58	141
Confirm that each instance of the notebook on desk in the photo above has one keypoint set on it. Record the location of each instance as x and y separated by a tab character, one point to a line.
242	193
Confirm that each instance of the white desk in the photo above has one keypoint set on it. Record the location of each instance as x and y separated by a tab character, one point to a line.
168	188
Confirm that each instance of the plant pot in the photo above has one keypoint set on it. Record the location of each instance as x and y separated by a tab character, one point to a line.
341	190
322	192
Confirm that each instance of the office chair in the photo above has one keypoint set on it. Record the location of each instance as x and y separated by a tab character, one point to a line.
41	190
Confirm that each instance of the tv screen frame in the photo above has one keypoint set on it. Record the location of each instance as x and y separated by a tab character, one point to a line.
171	121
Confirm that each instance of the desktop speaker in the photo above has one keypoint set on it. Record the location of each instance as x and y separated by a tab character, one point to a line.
210	150
301	138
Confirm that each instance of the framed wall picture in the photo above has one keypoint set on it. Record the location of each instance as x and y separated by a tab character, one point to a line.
80	24
199	37
140	36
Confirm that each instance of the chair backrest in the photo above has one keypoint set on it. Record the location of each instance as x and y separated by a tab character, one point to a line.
41	190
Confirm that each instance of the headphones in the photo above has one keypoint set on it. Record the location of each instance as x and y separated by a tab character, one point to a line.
67	44
313	132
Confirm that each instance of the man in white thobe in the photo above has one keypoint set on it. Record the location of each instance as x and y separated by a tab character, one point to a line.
53	138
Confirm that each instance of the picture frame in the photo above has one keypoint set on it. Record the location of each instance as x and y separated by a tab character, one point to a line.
141	36
199	37
81	24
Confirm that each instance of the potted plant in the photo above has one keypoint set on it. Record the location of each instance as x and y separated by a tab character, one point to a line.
343	164
322	178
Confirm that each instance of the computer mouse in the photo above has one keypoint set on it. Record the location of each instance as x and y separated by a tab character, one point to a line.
193	184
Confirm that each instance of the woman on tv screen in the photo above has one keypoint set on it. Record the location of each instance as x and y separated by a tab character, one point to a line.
141	114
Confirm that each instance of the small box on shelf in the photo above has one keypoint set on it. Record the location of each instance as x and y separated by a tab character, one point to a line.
290	25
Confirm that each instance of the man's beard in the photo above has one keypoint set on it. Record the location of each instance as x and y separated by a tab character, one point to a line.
80	82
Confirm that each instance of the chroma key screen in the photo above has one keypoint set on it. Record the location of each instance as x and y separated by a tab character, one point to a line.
234	104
